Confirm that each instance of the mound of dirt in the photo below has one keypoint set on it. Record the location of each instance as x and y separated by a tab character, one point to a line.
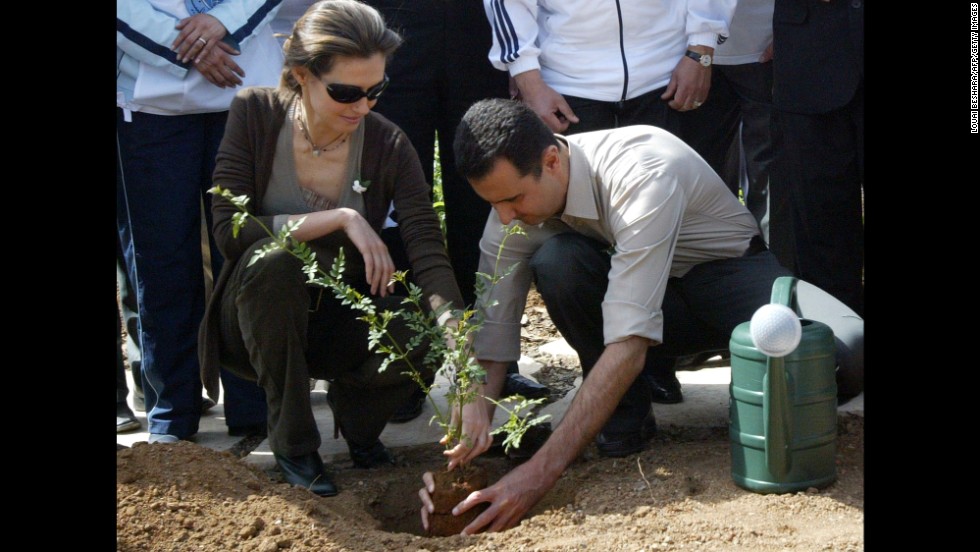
677	495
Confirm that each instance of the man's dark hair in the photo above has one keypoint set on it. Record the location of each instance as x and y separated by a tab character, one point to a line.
497	128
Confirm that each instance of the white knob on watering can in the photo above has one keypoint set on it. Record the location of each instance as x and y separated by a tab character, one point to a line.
775	330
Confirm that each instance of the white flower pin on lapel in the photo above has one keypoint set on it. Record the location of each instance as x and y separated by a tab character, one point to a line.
361	189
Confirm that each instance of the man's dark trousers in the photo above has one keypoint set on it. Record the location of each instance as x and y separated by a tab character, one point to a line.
700	309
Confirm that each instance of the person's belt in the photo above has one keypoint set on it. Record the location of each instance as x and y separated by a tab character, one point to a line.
757	245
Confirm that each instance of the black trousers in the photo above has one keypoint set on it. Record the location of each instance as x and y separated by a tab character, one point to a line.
700	310
646	109
737	115
280	331
819	171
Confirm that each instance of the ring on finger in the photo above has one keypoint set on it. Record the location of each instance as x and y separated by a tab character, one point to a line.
697	103
202	40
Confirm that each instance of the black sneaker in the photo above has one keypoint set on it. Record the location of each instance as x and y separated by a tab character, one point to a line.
139	403
125	419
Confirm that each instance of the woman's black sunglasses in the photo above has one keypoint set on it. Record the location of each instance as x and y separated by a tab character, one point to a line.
347	93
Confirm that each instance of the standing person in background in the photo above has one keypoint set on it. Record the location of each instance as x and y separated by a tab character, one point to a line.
289	12
737	115
128	311
177	71
818	91
125	419
585	66
440	71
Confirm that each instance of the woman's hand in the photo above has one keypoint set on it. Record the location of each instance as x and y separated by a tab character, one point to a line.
199	33
378	265
476	438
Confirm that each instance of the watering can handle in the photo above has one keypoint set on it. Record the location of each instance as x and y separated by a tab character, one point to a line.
776	401
784	292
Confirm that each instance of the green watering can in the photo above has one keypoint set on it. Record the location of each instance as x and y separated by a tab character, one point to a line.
783	410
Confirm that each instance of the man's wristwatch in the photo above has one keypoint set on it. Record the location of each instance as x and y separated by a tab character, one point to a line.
703	59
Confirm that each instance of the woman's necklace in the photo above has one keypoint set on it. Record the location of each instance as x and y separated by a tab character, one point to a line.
335	144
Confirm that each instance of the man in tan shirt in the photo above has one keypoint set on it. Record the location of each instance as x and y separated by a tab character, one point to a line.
641	254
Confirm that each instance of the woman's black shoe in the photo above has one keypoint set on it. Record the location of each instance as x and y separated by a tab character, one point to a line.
306	471
371	456
254	430
374	456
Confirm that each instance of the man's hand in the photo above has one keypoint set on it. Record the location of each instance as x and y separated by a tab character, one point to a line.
550	106
689	83
767	54
219	67
518	491
199	34
510	498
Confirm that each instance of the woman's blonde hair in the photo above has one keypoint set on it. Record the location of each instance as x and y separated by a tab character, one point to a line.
331	29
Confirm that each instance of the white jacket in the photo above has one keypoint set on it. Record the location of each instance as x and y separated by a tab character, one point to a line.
751	33
607	50
150	78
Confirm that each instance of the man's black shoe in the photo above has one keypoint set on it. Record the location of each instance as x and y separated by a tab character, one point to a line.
516	384
664	388
410	409
531	441
374	456
615	444
699	360
306	471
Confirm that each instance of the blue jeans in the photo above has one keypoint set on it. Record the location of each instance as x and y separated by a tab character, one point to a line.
700	309
164	170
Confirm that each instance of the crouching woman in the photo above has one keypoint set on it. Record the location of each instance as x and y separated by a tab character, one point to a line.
313	148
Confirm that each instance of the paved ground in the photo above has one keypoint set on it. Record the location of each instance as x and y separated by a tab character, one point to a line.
705	404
